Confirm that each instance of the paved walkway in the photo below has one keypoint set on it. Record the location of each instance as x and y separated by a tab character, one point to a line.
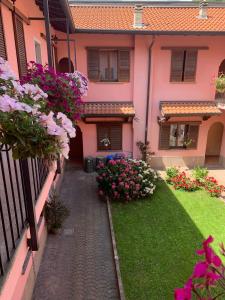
78	262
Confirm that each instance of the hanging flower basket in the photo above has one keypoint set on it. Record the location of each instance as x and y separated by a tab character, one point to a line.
220	83
26	126
64	90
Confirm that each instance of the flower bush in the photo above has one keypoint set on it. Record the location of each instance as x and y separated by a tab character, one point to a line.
212	187
171	173
182	181
24	124
200	174
64	89
125	180
207	281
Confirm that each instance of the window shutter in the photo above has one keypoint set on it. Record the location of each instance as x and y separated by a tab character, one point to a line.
3	53
20	46
190	65
111	131
177	61
102	132
123	65
193	136
93	64
116	137
164	137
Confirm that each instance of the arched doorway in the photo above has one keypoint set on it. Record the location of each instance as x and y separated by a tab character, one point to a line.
214	141
63	65
220	72
76	147
222	68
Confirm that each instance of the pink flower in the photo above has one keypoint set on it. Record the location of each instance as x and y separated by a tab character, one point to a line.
101	193
200	270
184	293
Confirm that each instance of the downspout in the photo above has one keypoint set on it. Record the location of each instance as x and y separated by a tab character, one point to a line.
148	88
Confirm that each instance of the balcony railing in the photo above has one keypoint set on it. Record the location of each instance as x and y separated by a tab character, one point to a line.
21	182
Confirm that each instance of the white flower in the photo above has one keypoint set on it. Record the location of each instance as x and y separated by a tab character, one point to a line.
5	70
34	91
18	88
66	124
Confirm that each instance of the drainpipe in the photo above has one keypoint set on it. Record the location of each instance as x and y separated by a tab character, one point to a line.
148	88
48	32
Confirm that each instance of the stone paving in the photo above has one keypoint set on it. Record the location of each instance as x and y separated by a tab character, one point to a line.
78	262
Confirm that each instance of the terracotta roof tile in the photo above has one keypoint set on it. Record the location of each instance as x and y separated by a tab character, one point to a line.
187	108
120	18
108	109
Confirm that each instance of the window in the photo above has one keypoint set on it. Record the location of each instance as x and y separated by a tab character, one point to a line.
38	52
20	45
178	135
183	65
3	53
109	136
109	65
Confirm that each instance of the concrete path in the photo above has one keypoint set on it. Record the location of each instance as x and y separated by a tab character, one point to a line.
78	262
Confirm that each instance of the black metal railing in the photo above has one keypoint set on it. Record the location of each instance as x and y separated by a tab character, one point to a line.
21	182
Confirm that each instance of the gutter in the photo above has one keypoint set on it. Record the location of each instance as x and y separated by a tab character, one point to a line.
147	32
148	88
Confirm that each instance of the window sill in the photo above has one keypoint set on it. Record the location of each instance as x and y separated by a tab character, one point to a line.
110	151
183	82
110	82
178	149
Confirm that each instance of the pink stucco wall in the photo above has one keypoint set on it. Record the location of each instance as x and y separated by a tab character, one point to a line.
89	132
32	32
203	89
160	87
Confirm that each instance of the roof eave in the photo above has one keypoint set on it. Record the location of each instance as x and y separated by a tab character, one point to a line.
146	32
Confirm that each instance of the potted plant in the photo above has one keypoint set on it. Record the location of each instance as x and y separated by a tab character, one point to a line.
26	125
64	90
220	83
55	213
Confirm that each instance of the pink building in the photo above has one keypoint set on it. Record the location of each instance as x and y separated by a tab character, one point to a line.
153	80
151	76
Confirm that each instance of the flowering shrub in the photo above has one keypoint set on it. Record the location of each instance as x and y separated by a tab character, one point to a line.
64	89
207	281
24	125
200	174
171	173
212	187
125	180
181	181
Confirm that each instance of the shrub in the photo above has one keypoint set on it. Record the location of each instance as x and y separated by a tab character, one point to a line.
55	213
125	180
26	125
212	187
145	151
207	281
200	174
181	181
171	173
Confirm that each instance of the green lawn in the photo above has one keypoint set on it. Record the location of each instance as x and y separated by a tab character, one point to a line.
157	238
